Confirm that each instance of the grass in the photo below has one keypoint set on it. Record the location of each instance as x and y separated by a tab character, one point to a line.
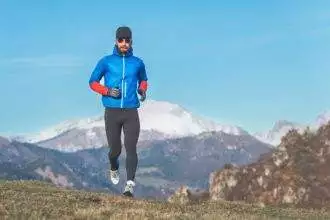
39	200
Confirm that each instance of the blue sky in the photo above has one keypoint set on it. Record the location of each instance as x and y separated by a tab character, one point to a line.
247	63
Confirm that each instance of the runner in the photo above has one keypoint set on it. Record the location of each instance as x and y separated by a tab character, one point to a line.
124	78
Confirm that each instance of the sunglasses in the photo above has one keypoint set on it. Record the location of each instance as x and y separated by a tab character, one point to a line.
127	40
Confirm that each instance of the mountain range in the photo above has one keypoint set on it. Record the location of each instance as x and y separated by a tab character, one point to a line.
175	148
163	166
160	120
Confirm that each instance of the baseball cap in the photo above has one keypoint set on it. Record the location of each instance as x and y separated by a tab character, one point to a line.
124	32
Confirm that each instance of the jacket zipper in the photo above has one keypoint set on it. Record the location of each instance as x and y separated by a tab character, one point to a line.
125	88
122	83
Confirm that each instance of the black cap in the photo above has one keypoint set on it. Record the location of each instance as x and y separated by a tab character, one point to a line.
124	32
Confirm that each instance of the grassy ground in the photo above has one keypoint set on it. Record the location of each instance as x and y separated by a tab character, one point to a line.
37	200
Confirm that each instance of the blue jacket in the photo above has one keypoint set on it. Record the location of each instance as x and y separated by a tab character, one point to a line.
125	72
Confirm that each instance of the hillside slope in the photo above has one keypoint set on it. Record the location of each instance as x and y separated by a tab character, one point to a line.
296	173
33	199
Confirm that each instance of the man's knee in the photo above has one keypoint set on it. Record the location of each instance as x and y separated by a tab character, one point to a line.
131	152
114	152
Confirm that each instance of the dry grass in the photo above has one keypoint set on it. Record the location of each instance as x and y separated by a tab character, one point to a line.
37	200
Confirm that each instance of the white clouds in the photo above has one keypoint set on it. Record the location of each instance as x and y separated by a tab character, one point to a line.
53	60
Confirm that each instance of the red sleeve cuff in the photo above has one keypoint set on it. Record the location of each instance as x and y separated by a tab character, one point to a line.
143	85
99	88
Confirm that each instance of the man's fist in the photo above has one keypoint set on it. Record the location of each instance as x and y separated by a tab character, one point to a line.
114	92
143	95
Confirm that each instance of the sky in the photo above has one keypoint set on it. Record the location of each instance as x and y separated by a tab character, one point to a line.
244	63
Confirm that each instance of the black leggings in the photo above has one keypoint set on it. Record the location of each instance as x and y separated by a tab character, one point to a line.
115	120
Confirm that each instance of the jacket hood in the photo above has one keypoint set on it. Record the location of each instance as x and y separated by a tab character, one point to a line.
117	52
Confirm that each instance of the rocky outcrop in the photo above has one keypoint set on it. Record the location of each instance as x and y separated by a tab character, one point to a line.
184	195
297	173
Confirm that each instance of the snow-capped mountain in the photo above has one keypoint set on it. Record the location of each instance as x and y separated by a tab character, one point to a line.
176	121
281	127
159	120
321	119
87	124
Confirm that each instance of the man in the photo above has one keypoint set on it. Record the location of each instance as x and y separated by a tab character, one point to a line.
124	76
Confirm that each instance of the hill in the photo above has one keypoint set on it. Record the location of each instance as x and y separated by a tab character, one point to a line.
294	174
35	199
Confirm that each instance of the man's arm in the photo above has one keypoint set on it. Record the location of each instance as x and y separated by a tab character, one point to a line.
96	76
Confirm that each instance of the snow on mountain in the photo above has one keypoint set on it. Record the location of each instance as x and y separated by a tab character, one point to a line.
159	120
281	127
4	141
82	124
321	119
175	120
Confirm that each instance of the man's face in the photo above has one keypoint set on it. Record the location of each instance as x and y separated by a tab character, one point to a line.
124	44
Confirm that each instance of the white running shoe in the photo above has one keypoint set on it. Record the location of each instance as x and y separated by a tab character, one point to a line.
129	188
114	176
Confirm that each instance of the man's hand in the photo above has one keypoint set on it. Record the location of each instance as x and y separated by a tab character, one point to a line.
143	95
114	92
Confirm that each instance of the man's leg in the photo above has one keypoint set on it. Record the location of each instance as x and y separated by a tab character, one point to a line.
113	128
131	128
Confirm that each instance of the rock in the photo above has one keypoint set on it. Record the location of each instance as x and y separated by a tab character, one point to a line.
297	173
184	196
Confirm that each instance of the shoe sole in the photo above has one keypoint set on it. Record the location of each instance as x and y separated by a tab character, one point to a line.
128	194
